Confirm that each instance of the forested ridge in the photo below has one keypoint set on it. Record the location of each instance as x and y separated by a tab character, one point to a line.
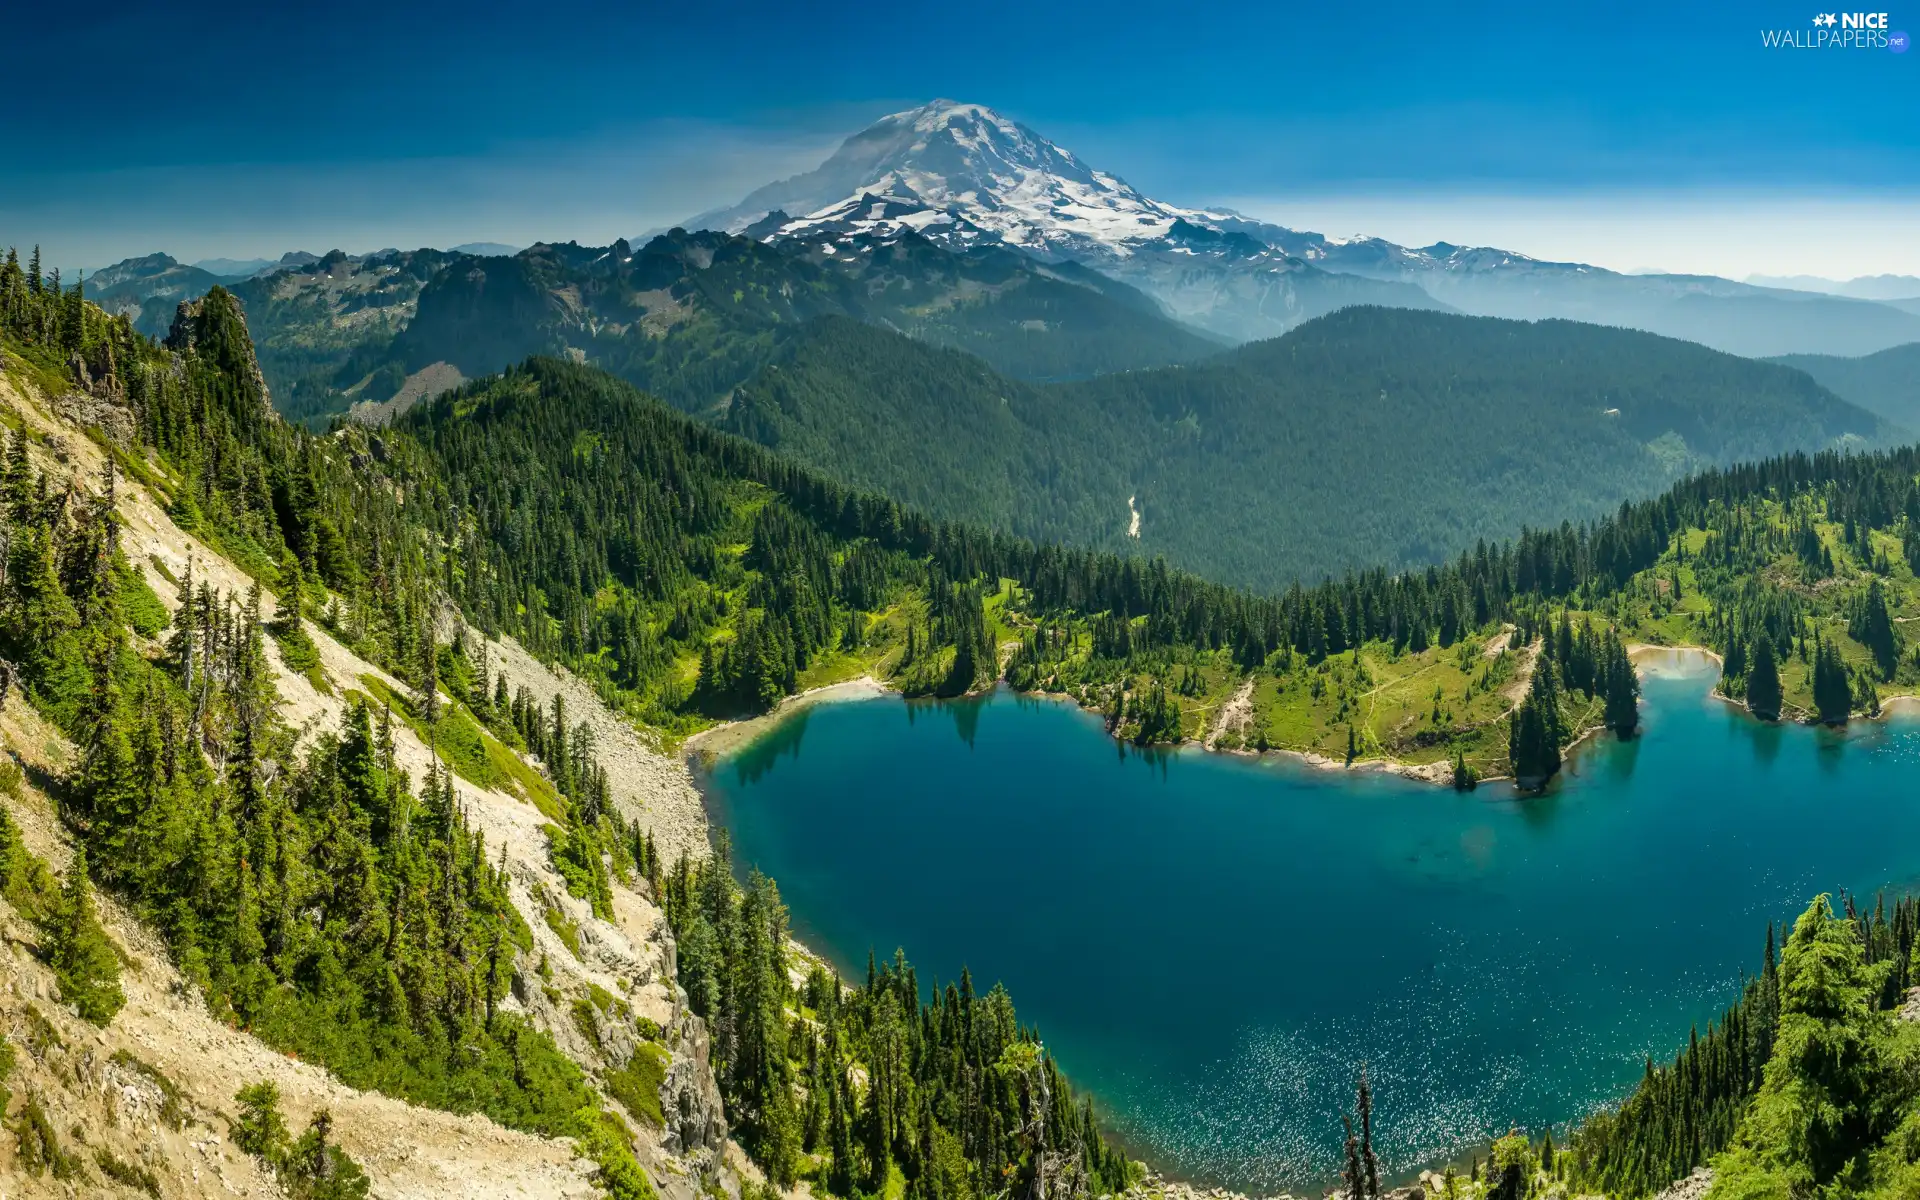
1886	383
1370	437
695	575
342	911
688	316
1036	398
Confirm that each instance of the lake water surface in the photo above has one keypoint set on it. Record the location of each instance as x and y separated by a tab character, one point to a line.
1213	944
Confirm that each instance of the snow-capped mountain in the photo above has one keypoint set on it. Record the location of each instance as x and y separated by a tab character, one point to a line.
965	176
959	172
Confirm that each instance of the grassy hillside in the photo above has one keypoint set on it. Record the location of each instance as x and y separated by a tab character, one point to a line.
1886	384
1369	437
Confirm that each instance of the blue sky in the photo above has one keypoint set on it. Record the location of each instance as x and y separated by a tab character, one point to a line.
1664	132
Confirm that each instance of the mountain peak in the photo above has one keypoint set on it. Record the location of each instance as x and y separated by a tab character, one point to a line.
960	172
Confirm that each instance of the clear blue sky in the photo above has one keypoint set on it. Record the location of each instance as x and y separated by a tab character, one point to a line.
216	129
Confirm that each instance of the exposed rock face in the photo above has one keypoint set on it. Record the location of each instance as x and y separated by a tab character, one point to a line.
86	408
185	318
215	325
690	1096
101	398
1692	1187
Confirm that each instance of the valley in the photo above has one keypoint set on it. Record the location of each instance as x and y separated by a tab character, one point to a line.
528	592
954	676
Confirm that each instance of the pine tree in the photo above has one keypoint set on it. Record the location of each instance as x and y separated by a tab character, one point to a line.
1763	681
1872	626
427	692
1622	687
82	958
1534	733
1832	693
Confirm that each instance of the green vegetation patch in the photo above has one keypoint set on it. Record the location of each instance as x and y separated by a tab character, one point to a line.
470	751
637	1085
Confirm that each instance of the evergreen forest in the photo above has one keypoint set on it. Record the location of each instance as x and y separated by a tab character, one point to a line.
341	910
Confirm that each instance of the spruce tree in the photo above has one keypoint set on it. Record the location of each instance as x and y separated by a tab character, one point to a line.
1832	693
82	958
1872	626
1622	687
1534	733
1763	681
427	693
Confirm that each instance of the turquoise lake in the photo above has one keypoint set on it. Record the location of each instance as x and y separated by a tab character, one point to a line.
1211	945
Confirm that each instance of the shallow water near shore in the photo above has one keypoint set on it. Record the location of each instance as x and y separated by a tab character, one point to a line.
1212	944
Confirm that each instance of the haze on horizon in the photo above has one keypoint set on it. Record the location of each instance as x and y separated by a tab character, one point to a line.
1633	137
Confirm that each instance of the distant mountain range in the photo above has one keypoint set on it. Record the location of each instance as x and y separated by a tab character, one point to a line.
148	289
973	320
965	176
1369	437
1865	287
1886	384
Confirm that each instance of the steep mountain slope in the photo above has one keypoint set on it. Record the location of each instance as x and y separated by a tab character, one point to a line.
538	934
1372	436
965	175
1887	383
689	316
181	1029
940	430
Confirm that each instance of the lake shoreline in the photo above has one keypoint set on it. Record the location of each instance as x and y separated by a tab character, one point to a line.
729	737
937	807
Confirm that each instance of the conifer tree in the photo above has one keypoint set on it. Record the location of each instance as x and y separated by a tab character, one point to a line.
1622	686
82	958
1871	625
427	702
1832	693
1763	681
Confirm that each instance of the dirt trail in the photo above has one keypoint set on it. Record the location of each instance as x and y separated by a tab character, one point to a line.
1235	715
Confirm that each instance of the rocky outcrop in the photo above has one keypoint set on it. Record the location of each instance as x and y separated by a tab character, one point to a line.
215	325
1153	1187
1692	1187
690	1097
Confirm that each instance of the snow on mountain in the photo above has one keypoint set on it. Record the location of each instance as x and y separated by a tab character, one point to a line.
961	173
